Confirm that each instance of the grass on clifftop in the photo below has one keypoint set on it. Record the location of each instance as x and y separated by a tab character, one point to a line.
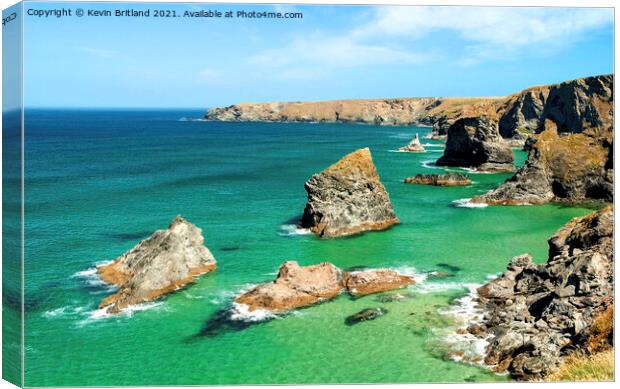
596	367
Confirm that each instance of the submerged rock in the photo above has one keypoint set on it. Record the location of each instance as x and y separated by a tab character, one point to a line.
414	146
166	261
475	142
536	314
374	281
448	179
364	315
348	198
295	286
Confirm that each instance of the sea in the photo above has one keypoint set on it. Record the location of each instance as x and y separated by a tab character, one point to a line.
97	182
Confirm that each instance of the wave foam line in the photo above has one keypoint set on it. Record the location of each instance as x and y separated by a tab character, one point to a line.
466	203
293	230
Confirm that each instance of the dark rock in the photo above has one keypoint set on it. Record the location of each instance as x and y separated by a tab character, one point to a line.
364	315
475	142
448	179
348	198
536	314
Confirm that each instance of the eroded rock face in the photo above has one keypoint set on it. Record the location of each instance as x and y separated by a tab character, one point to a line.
448	179
374	281
166	261
569	168
348	198
365	315
571	155
475	142
296	286
538	313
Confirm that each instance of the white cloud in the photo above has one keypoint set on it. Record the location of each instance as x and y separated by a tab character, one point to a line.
491	31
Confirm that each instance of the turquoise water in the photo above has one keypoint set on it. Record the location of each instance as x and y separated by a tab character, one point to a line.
98	182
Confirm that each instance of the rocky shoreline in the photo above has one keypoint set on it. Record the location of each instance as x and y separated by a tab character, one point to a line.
535	315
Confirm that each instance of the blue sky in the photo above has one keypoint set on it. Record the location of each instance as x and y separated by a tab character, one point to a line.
333	52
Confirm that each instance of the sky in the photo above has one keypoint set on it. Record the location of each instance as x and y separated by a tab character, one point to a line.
334	52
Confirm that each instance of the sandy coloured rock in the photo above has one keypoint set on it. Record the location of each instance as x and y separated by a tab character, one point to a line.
414	146
367	282
447	179
164	262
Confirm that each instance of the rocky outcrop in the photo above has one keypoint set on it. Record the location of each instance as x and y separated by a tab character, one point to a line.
166	261
570	157
298	286
414	146
523	112
363	283
348	198
475	143
447	179
570	168
536	314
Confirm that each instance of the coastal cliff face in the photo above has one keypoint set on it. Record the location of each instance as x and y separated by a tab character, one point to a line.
572	106
571	155
537	314
437	112
166	261
475	142
348	198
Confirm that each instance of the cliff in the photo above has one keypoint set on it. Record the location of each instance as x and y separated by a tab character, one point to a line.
436	112
538	314
570	155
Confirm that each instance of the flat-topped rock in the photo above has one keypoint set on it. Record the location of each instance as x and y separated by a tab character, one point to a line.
475	142
414	146
295	286
448	179
348	198
298	286
166	261
363	283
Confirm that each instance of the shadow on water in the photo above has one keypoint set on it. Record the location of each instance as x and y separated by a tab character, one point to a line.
451	268
219	323
296	220
229	248
123	237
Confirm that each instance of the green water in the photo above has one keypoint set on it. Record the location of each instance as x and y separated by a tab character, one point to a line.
98	182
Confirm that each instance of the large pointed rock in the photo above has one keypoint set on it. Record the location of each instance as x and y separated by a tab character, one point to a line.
475	142
348	198
166	261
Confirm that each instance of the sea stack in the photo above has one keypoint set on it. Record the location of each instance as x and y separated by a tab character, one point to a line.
348	198
363	283
166	261
475	142
414	146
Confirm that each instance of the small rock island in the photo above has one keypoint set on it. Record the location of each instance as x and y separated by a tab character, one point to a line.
164	262
414	146
448	179
348	198
298	286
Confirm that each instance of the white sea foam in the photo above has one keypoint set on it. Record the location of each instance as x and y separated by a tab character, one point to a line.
466	203
293	230
430	164
242	312
466	311
54	312
434	145
410	271
102	313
